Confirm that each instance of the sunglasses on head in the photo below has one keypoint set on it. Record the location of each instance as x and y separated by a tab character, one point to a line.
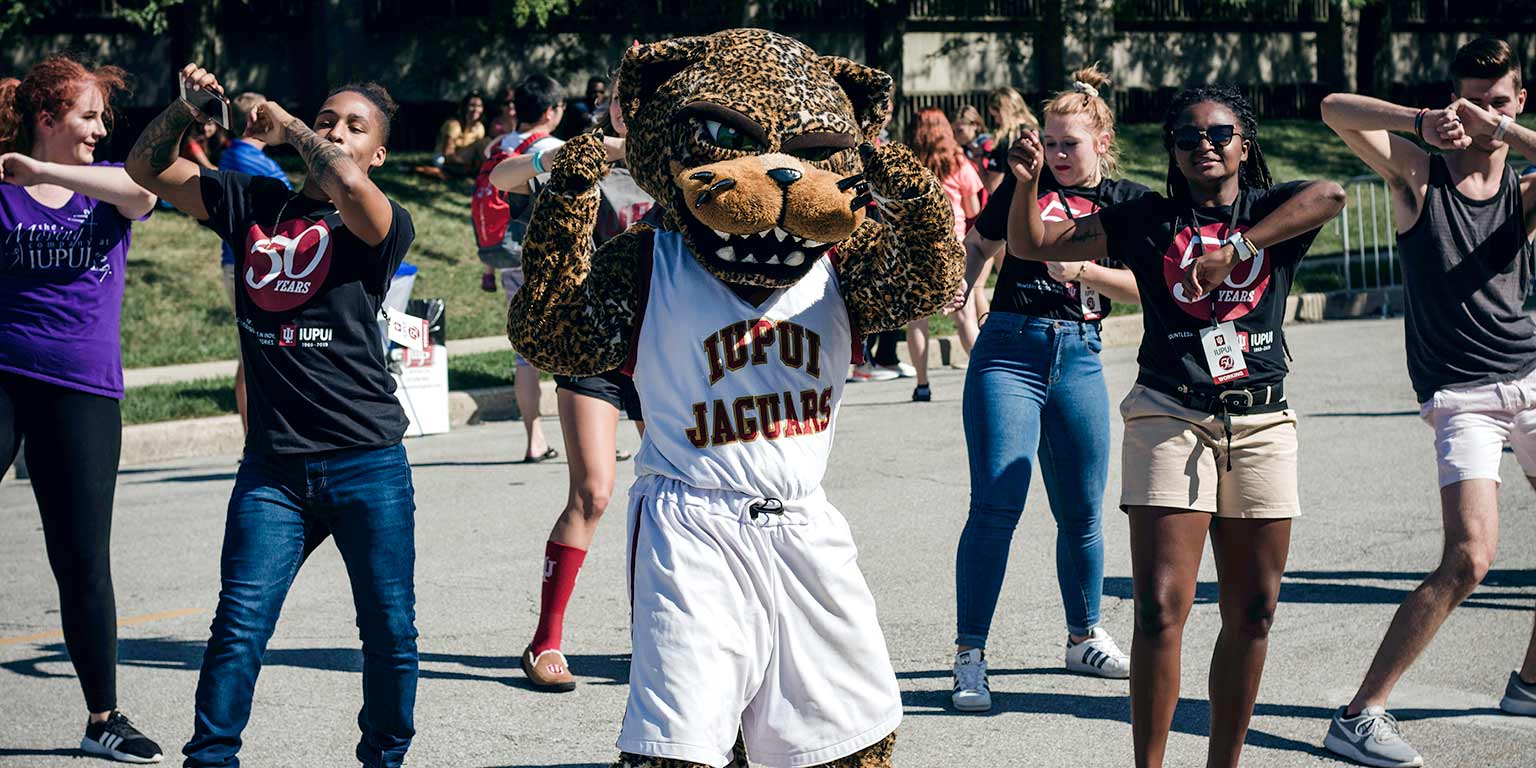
1188	137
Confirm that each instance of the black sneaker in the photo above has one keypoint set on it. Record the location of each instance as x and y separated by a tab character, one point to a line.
117	739
921	394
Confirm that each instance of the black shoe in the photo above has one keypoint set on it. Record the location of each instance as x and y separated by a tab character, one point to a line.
117	739
921	394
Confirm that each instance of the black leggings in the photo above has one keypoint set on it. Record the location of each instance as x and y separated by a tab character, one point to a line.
72	441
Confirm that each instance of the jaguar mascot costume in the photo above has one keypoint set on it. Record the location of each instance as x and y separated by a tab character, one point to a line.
785	236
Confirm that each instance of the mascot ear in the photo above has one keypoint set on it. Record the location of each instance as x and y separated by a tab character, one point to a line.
647	66
868	88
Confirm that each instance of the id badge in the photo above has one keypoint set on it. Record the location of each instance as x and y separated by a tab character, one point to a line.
1223	353
1092	303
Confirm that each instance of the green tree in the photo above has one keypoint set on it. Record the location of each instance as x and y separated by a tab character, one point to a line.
148	15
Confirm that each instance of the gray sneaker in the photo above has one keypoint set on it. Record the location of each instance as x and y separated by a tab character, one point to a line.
1519	698
1371	738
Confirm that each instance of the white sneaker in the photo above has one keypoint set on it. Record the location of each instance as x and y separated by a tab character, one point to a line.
1371	738
898	371
883	373
1098	655
971	692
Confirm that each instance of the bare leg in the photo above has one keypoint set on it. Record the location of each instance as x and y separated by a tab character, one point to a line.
917	348
526	386
1250	558
1166	545
1470	511
590	426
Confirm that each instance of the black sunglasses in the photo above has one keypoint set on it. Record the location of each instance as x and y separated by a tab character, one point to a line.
1188	137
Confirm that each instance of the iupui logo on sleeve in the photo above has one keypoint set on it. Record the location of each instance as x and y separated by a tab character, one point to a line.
287	335
285	269
1235	297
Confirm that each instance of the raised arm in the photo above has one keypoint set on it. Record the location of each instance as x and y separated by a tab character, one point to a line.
104	183
908	266
1031	238
514	173
362	205
576	311
1370	128
1309	208
1483	123
155	163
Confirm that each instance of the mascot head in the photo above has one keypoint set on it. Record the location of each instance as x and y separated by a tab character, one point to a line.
749	140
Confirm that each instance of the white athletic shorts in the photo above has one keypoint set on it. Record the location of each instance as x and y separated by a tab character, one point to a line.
1472	424
511	282
764	624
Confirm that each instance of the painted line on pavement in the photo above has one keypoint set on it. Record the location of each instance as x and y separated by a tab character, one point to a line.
56	634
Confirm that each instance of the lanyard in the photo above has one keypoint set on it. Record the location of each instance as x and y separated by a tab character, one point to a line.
1194	228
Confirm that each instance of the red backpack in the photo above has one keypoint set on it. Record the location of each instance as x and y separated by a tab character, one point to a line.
489	210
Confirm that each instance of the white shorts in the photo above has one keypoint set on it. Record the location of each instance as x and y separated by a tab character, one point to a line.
764	624
1472	424
511	282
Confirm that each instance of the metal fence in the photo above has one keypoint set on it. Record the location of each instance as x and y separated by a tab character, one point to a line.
1369	237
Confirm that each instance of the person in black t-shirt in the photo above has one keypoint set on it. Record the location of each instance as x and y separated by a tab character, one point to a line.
1210	442
1035	383
323	456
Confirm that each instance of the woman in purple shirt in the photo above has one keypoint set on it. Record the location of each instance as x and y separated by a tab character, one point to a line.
64	233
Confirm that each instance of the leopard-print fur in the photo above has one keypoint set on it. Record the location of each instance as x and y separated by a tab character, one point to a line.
576	310
877	755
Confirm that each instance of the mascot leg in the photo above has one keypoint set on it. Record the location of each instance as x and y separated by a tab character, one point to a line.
627	760
876	755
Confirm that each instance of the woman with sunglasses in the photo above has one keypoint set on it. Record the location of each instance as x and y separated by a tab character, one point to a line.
1210	441
1035	386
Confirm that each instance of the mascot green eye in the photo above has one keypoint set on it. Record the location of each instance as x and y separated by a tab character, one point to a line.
729	137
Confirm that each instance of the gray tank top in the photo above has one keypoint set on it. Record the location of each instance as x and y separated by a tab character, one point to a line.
1467	268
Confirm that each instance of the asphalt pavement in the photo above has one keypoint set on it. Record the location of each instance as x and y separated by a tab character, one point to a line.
1370	530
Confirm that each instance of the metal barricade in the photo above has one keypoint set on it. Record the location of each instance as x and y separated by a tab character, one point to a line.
1369	238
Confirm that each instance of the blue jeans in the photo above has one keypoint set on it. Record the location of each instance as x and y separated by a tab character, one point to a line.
282	508
1033	385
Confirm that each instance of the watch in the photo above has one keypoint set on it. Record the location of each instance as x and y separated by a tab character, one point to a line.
1242	245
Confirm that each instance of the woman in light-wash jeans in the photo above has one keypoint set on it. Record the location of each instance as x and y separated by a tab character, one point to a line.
1035	384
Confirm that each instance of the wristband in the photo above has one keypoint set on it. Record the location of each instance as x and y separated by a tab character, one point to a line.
1418	122
538	162
1504	121
1242	245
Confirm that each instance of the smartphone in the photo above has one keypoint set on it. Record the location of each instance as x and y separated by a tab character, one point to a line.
211	104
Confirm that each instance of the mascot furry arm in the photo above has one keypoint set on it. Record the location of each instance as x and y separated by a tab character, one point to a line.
760	159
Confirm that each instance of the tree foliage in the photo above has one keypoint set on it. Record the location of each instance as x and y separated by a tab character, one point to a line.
147	15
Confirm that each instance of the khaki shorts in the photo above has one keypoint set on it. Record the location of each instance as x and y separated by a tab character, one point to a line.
1177	457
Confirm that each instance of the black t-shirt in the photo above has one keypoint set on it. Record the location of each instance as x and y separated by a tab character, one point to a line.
1024	287
1153	236
307	300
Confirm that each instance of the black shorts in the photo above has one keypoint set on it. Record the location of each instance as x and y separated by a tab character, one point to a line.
613	388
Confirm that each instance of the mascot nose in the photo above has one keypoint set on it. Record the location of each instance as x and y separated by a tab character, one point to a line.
784	176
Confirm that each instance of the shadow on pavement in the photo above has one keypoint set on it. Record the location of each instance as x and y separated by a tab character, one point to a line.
1360	414
24	752
1333	588
186	655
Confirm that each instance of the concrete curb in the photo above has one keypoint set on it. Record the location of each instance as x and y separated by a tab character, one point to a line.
165	441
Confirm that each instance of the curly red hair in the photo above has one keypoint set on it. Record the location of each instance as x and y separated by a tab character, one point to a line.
933	141
49	88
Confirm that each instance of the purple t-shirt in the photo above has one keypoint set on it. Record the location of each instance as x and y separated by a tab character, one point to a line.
61	290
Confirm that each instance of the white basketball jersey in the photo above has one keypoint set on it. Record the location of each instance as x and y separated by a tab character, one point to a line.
737	397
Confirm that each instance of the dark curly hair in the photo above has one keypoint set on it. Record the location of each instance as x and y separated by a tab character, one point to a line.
1253	173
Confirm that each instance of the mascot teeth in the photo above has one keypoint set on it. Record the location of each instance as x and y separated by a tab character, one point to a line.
749	259
813	243
722	235
727	254
794	259
772	259
780	233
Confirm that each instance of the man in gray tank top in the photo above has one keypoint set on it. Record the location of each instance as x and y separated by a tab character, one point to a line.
1466	220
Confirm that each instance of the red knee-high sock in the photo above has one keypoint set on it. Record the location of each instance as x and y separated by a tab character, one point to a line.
561	563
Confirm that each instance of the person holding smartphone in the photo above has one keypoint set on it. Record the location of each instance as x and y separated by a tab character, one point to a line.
323	456
65	229
1210	439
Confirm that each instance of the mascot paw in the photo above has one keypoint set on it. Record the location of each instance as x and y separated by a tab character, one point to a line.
894	174
581	163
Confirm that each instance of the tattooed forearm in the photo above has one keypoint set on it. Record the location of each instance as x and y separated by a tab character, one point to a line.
160	143
326	161
1087	230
